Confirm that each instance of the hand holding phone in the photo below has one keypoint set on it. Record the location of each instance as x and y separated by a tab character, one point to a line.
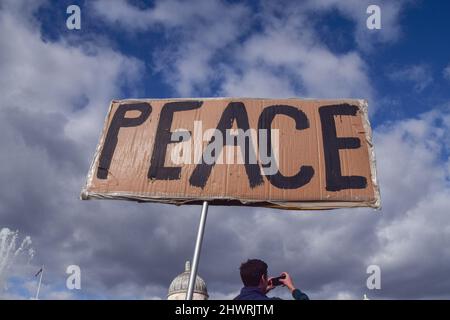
276	281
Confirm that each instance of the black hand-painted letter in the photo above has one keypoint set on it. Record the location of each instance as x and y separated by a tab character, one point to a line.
305	174
235	111
163	137
331	146
118	122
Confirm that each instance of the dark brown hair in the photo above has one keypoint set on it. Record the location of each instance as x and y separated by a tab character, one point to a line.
251	272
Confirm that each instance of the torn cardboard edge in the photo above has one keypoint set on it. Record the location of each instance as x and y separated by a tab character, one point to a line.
364	105
230	201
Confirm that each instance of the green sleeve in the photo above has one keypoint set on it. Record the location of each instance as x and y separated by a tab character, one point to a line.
298	295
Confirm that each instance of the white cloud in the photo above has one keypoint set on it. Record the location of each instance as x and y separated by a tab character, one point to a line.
415	191
198	30
203	35
256	82
133	251
287	59
290	45
54	99
419	75
54	77
446	72
355	10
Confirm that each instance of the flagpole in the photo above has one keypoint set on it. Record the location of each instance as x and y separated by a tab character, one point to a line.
198	247
39	285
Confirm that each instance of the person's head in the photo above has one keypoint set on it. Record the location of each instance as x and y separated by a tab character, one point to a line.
254	273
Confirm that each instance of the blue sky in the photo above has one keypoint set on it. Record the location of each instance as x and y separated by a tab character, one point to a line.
56	85
421	43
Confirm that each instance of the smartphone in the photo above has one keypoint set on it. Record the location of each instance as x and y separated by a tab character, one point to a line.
276	281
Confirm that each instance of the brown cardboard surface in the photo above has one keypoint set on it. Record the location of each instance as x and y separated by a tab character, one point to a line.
136	131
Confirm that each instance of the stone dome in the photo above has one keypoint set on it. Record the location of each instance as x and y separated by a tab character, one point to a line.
178	287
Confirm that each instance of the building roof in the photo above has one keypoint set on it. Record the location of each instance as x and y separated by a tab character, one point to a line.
181	282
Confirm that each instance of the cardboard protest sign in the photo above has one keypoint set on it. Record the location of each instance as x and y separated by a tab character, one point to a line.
283	153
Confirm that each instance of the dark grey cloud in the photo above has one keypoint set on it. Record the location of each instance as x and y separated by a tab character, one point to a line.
134	250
